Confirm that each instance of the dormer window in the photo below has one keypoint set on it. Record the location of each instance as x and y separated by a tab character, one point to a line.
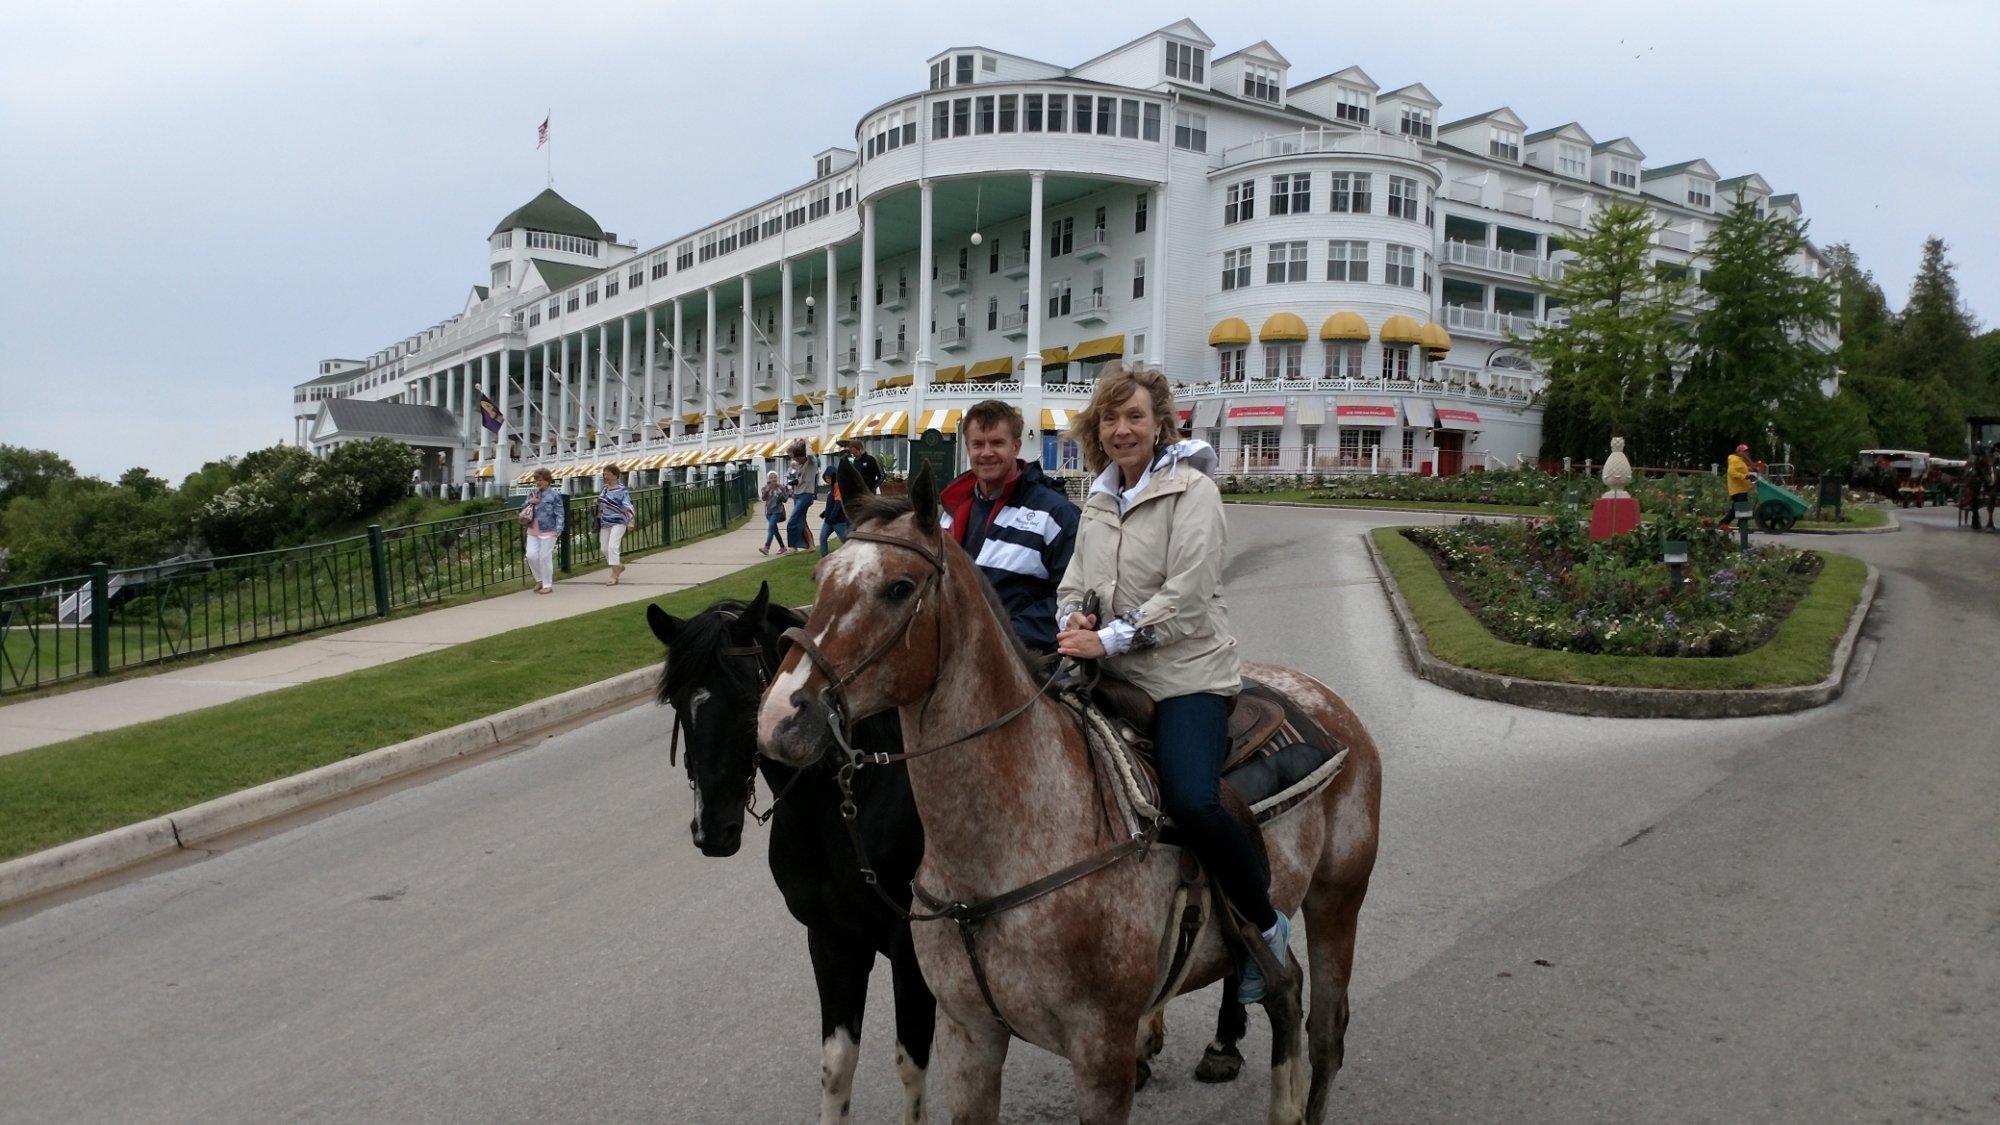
1186	63
962	70
1352	105
1260	82
1624	173
823	167
1503	144
1416	122
1700	193
1572	160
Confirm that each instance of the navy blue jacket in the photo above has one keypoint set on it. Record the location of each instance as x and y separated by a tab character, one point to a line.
1029	537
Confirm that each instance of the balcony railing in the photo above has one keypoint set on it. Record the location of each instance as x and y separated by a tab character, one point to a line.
1322	140
954	337
1464	319
1093	243
953	281
1500	261
1442	381
1673	239
1014	325
1090	308
1014	264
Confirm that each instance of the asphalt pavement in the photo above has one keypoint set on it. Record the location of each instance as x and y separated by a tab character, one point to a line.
1793	918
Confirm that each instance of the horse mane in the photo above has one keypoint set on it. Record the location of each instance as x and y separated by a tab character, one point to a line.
695	654
883	509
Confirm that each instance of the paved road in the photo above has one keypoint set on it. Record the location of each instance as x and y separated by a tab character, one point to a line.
1791	918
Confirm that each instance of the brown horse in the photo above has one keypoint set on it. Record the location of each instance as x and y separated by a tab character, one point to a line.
1008	794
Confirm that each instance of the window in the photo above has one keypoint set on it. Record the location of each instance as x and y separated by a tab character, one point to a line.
1080	123
1058	112
1098	220
1343	359
610	286
555	307
1292	194
1138	278
983	123
571	303
961	117
684	256
1149	128
989	64
992	313
1359	445
1402	197
1700	193
1062	237
1624	173
1236	268
636	277
940	119
1286	262
1128	118
1352	105
1572	160
940	75
1284	361
1097	288
1007	118
1416	122
1260	82
1185	62
1139	206
1503	143
1190	131
1241	202
1400	266
1396	361
1346	261
823	167
1232	360
1107	117
962	72
1350	193
1059	297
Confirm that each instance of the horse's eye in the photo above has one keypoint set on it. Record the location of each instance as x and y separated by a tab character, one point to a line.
900	589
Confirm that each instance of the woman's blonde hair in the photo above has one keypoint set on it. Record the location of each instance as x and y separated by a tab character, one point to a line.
1114	386
545	475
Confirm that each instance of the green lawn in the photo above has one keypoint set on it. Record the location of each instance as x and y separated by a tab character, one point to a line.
1860	517
1801	653
61	792
1467	508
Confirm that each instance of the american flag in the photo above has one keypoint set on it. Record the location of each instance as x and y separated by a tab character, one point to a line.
542	133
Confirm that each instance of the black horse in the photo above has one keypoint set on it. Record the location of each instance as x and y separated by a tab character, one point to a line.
717	666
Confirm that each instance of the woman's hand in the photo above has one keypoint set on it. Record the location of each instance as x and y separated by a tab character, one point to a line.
1080	644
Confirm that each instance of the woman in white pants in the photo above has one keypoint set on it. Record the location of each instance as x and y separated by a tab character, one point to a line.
542	517
614	514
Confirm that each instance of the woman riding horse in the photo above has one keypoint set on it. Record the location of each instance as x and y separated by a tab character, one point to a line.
1150	544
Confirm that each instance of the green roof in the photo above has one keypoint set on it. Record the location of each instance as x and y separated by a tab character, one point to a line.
552	213
561	275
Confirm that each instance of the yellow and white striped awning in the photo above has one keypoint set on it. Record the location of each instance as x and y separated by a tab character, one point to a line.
767	406
630	464
682	459
524	478
881	423
717	455
1055	421
485	472
943	421
691	418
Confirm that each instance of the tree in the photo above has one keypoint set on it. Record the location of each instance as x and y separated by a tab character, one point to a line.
1610	364
84	521
30	472
379	469
1865	320
1756	368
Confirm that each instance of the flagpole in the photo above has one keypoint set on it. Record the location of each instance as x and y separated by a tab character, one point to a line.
549	156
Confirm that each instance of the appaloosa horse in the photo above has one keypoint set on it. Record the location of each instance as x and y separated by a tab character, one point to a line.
1008	793
717	665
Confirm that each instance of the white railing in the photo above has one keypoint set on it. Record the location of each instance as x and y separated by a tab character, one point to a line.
760	428
883	393
1321	140
1014	263
1519	263
1464	382
1673	239
1014	322
953	335
1091	305
1464	192
1567	214
1517	203
953	280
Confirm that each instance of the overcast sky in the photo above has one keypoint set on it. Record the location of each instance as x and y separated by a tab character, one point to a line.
201	200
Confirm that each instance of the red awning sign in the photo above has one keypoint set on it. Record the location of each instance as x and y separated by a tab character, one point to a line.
1448	414
1364	411
1256	412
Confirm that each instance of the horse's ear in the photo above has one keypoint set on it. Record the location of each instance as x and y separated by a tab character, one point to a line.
665	625
924	500
752	617
852	487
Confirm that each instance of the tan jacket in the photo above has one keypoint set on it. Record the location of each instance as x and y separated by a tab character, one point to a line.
1159	568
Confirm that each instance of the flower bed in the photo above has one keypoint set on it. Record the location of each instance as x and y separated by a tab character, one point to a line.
1516	487
1545	585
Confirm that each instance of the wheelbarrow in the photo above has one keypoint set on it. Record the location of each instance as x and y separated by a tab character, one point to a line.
1777	508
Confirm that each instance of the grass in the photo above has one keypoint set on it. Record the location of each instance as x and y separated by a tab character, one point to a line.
61	792
1468	508
1860	517
1800	653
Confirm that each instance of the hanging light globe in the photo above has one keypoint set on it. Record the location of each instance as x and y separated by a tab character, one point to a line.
977	238
809	300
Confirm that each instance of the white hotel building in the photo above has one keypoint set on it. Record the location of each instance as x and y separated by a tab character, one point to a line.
1337	276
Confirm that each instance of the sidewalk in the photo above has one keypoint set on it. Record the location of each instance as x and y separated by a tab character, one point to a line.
38	722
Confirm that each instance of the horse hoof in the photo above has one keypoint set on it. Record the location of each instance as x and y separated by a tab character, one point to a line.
1219	1066
1144	1075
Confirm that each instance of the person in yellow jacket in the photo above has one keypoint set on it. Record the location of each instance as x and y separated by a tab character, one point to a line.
1739	482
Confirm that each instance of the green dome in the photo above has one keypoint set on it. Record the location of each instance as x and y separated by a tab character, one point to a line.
551	212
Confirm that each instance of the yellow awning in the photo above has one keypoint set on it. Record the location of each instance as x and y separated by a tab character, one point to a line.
954	374
525	477
1056	421
852	428
889	423
991	368
485	472
1282	328
1436	340
849	392
902	380
683	459
1344	326
631	464
1402	330
803	399
768	406
823	444
718	456
943	421
1104	347
1054	357
1230	331
731	411
691	418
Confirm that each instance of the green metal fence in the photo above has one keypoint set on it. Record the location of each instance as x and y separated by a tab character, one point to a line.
110	620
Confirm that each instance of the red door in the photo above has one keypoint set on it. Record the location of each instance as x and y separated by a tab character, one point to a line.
1450	452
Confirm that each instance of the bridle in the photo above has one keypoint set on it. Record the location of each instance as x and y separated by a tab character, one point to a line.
753	652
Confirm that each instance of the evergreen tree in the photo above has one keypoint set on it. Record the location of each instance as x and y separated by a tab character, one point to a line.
1610	365
1932	349
1757	373
1865	320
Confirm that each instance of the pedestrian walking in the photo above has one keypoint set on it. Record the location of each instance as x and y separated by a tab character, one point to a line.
865	464
800	483
1738	476
614	517
774	497
833	515
542	516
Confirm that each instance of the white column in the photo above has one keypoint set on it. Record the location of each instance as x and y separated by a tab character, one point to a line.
468	414
745	356
785	388
1031	367
485	388
708	373
562	391
648	408
603	376
866	374
543	432
624	377
676	379
583	391
503	477
926	366
1156	276
830	321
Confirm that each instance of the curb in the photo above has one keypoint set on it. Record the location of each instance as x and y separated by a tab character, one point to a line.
1370	508
1618	702
93	856
1894	524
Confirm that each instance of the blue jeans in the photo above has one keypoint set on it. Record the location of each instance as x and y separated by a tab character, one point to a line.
772	536
796	529
827	531
1190	737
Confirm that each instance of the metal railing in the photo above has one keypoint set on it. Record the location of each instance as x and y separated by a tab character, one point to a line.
110	620
1321	140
